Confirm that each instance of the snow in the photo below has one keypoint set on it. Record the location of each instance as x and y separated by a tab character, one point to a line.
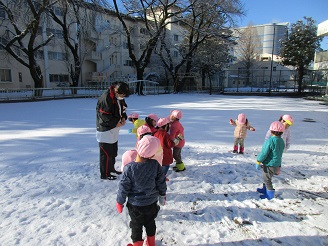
52	194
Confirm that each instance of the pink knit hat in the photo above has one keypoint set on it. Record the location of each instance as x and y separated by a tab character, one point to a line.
241	118
153	117
162	122
133	116
128	156
277	126
148	146
143	130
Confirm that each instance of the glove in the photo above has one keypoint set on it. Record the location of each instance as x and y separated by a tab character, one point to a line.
162	200
130	131
252	129
119	207
258	165
176	141
231	121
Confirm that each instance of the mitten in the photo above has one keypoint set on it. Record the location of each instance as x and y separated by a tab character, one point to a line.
258	165
252	129
130	131
162	200
119	207
231	121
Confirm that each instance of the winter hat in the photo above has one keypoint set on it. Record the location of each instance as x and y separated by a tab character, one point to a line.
142	130
133	116
288	119
148	146
176	114
241	118
128	156
277	126
162	122
153	117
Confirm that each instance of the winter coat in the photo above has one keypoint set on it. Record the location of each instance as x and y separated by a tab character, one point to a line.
241	129
286	136
175	129
271	153
141	183
137	123
109	112
167	145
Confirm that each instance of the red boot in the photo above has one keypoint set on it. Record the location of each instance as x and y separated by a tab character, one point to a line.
139	243
150	241
241	150
235	149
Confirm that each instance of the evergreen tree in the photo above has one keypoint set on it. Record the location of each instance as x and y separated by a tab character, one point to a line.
299	47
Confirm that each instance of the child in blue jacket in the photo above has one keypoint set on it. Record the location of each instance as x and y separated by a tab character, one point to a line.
270	157
142	184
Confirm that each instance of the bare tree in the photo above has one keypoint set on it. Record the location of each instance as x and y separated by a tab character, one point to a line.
21	38
248	49
202	20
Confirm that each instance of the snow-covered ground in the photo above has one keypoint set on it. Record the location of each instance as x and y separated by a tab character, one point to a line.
52	194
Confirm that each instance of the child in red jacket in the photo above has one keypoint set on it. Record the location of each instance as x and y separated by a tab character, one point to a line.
166	142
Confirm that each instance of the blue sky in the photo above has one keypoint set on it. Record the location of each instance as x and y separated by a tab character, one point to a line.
264	12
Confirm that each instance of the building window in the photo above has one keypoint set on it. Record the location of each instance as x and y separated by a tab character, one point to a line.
5	75
56	32
2	14
128	63
58	56
59	78
175	53
176	37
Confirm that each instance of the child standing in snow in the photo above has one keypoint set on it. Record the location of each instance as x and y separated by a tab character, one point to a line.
130	155
176	129
166	142
270	157
134	118
142	184
288	121
241	126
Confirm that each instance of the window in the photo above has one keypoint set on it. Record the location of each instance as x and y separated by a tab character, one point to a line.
143	31
58	77
176	37
128	63
5	75
2	13
59	56
56	32
175	53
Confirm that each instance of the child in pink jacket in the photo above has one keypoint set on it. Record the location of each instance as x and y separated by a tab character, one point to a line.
175	130
241	126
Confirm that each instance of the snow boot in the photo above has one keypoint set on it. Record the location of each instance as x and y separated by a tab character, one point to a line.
139	243
241	150
269	194
235	149
262	190
180	167
150	241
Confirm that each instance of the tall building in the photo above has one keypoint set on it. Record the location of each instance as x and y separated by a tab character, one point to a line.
265	39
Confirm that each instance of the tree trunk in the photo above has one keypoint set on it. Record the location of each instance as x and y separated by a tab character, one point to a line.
139	87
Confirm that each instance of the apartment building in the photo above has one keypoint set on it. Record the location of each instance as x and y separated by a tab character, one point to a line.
102	44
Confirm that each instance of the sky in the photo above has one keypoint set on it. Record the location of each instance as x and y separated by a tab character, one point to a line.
264	12
51	191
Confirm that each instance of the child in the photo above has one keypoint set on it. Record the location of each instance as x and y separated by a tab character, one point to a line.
270	156
288	121
151	121
177	129
166	143
134	118
131	155
241	126
142	184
